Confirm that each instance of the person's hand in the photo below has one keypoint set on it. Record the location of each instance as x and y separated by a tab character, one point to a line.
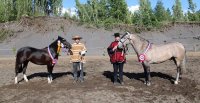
114	48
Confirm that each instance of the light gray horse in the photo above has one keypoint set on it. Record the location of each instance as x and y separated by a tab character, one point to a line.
153	54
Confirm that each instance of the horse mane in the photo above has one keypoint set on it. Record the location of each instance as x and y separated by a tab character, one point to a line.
141	38
142	43
52	44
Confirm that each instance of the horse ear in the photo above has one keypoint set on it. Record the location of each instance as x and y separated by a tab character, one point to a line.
127	33
59	37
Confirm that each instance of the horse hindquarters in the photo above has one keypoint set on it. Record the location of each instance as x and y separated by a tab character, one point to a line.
180	63
18	67
19	63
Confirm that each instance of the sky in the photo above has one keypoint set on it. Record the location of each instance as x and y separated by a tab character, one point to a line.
134	4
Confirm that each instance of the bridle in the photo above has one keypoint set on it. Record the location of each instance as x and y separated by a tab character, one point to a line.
125	39
124	46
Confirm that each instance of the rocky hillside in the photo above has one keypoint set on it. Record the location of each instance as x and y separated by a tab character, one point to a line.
41	31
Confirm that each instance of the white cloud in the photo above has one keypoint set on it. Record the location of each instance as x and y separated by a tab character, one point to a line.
134	8
70	11
185	11
64	10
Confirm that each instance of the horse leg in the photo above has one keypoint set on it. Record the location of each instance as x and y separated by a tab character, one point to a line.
17	66
24	70
177	75
147	73
182	67
177	62
148	76
50	69
18	69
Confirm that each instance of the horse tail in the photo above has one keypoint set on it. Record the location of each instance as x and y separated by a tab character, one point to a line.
18	63
18	67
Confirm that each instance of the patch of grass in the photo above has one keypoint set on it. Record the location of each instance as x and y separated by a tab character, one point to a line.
14	50
4	34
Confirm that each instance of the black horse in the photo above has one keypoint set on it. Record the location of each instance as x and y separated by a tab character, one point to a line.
46	56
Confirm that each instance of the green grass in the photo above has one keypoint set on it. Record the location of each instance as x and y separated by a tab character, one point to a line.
4	34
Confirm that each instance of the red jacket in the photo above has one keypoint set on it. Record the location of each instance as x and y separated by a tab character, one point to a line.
116	56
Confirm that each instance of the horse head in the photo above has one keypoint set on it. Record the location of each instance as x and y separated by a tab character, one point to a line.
124	41
65	44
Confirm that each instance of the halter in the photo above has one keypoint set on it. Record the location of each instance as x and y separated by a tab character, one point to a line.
123	41
54	61
142	57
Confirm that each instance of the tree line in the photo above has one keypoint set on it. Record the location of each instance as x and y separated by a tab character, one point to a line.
103	12
108	12
13	9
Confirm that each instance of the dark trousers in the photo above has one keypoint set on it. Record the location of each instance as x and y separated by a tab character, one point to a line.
77	70
118	66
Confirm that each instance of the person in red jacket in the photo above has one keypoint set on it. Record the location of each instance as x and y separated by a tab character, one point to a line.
117	58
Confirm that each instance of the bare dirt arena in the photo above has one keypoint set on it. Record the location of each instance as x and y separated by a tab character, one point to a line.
98	86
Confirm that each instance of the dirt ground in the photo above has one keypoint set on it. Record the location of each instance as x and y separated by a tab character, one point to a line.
98	86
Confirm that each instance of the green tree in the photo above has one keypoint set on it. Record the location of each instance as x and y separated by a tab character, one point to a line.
160	11
136	19
168	15
192	15
192	6
83	13
14	9
177	11
103	10
146	15
7	12
118	10
56	6
106	12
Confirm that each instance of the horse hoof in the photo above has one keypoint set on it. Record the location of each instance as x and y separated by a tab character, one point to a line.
49	81
16	82
148	84
175	82
25	78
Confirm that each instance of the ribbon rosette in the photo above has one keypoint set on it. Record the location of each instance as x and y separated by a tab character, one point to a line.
141	58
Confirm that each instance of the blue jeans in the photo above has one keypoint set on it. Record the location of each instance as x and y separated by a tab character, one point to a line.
77	70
